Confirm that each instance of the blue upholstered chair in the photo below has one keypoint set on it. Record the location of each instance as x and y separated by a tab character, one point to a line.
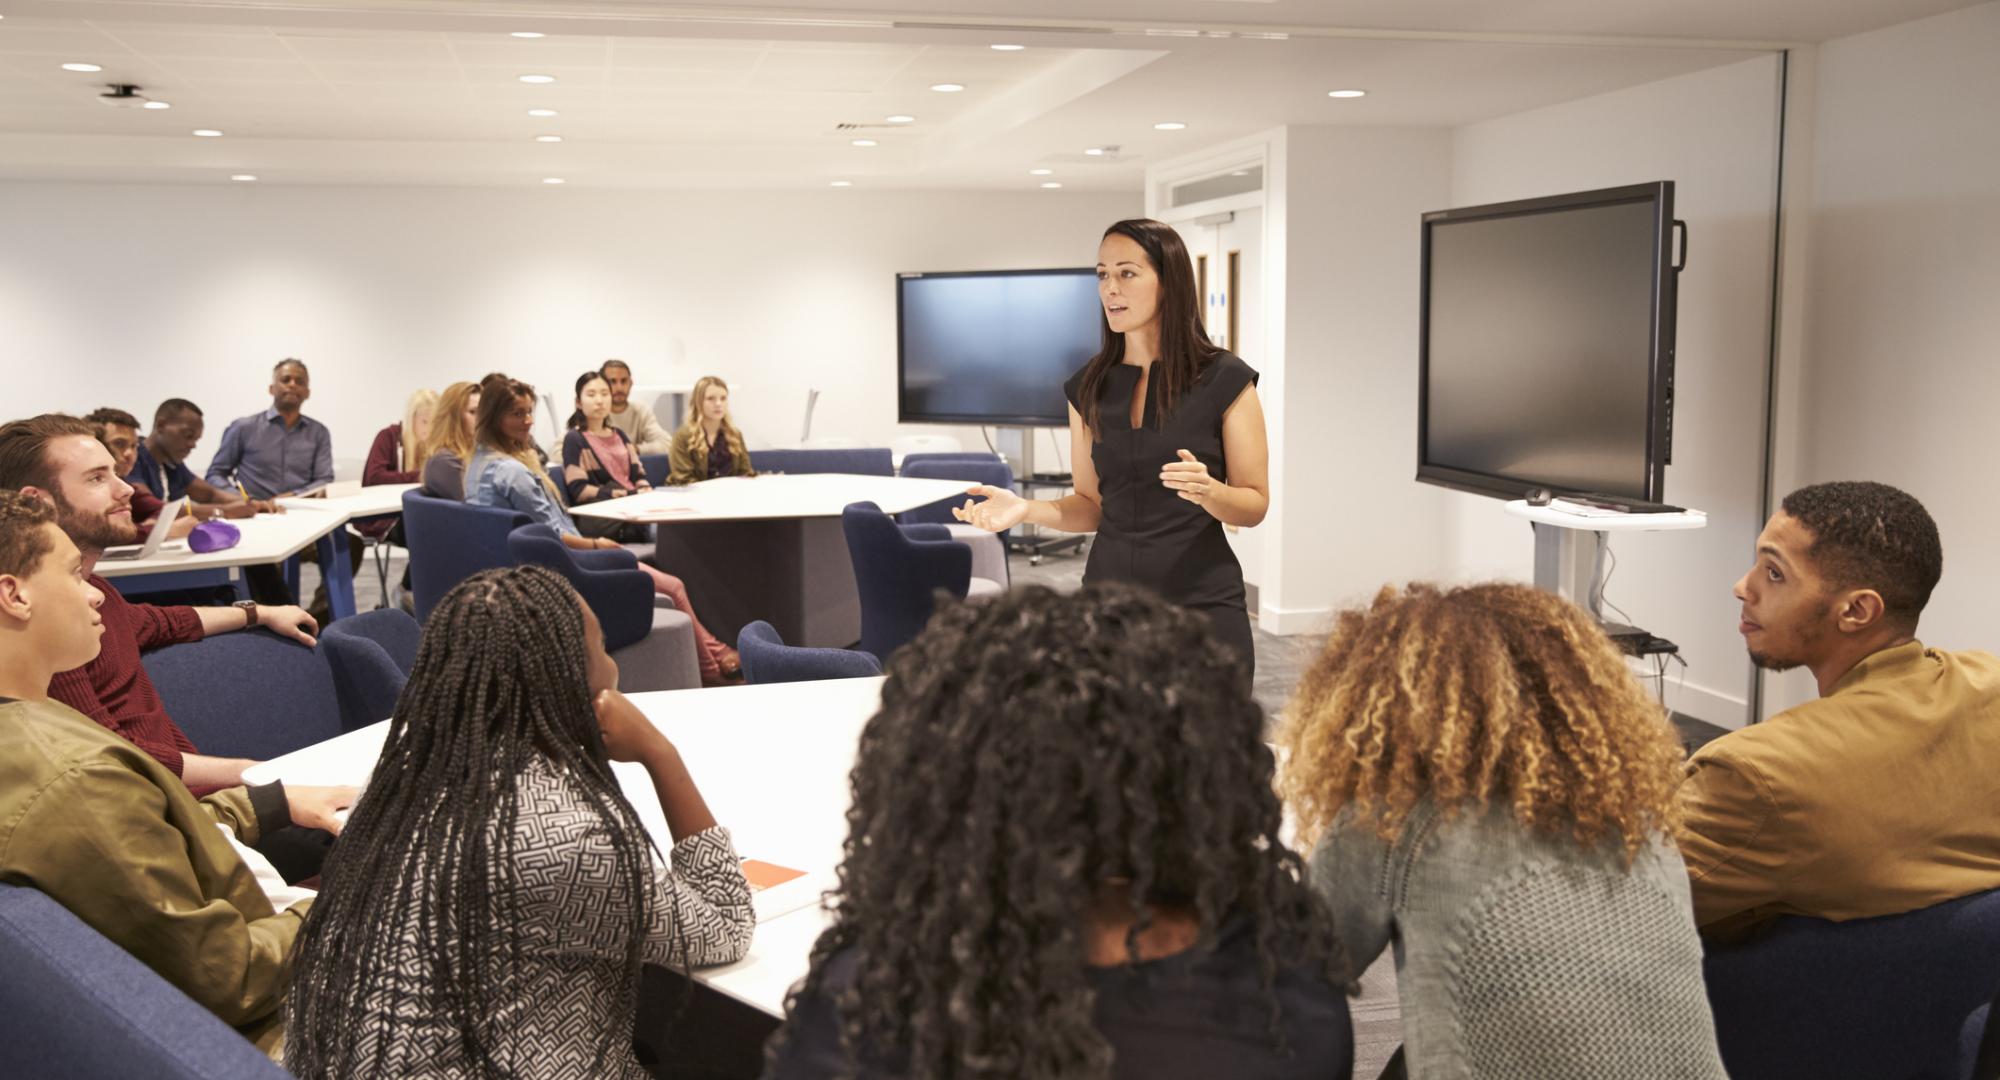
451	541
656	467
74	1005
1979	1043
251	694
1880	998
767	659
898	569
989	550
371	655
864	461
653	643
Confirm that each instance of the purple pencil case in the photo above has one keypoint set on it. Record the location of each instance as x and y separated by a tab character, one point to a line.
214	536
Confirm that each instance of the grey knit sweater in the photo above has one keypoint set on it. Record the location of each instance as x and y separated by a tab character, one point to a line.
1523	955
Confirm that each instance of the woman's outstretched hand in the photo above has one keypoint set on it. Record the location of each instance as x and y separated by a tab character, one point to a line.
1001	511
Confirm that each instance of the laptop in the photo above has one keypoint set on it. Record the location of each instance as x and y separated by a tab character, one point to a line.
154	539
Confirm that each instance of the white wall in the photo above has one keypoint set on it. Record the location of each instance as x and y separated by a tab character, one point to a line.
126	295
1903	334
1715	134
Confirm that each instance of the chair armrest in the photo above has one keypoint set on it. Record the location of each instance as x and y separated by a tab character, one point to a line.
605	559
945	563
925	530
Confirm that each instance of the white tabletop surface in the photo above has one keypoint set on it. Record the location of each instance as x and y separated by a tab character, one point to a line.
750	498
356	501
1600	521
267	538
772	762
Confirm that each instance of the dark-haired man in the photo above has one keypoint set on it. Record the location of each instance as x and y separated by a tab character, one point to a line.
58	458
160	466
105	830
634	418
1880	796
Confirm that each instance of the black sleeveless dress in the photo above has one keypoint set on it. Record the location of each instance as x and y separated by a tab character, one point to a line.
1148	534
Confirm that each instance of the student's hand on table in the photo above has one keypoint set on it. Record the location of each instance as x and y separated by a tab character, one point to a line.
240	510
1189	477
316	807
291	622
628	735
182	526
1001	511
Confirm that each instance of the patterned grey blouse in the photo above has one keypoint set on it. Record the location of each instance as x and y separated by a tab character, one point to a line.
571	932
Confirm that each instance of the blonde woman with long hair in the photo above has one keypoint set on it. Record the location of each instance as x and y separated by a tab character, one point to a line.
1481	779
451	441
707	445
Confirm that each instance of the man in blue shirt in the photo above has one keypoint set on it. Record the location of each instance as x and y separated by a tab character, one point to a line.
162	468
275	454
279	452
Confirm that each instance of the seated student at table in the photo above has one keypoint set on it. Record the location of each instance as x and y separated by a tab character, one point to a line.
1488	786
58	458
504	471
599	462
634	418
393	458
495	895
707	445
1063	861
106	831
118	430
278	453
1879	796
160	467
450	442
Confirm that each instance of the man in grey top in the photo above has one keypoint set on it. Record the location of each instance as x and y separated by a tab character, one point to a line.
278	452
274	454
631	417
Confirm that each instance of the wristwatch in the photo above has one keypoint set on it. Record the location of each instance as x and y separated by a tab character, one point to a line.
249	610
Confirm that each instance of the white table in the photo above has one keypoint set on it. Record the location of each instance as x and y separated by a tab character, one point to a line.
770	547
773	764
270	539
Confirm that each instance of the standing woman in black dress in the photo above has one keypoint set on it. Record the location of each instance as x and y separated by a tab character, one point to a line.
1166	437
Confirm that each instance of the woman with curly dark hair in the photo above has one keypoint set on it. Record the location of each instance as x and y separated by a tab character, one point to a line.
1063	861
1490	787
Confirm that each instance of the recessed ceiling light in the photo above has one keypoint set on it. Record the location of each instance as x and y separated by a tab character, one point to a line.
1095	151
83	67
1040	172
948	87
156	105
1170	125
864	142
525	34
841	183
1008	48
552	179
208	133
1346	93
244	178
541	112
538	78
900	118
1052	184
548	138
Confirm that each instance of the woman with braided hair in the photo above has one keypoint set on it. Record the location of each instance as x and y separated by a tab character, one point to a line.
1490	786
494	894
1063	861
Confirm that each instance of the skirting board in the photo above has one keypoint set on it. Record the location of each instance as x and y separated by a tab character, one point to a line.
1284	622
1728	711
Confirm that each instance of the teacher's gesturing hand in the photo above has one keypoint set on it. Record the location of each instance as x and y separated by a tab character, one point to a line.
1190	478
1001	511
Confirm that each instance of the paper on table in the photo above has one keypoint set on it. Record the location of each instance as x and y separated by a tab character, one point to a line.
780	890
658	513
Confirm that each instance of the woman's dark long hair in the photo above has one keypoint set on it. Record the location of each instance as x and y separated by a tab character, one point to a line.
1184	346
1029	750
577	421
500	681
498	395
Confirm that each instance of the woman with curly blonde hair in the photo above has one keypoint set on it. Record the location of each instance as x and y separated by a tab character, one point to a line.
1481	779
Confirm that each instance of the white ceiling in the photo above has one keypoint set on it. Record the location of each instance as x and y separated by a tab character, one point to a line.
652	95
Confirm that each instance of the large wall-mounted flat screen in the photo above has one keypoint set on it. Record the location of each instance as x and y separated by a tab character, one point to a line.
993	347
1546	356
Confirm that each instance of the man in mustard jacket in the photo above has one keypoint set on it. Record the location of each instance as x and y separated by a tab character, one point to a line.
1878	797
